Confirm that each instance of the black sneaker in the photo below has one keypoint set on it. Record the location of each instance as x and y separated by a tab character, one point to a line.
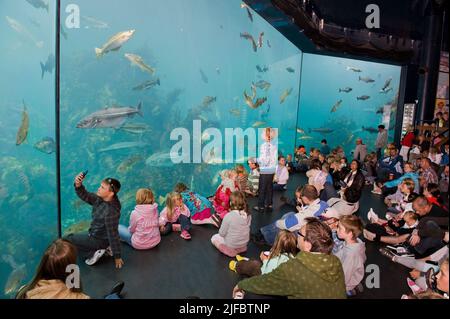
269	208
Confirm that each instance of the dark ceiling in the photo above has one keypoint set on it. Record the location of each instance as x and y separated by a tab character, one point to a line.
400	18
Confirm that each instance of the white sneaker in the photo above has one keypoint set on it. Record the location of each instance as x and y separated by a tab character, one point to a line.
97	255
372	216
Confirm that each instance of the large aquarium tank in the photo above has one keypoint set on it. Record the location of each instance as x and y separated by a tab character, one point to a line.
145	82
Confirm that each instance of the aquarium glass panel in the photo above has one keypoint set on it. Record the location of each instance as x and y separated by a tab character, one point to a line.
343	99
28	215
168	67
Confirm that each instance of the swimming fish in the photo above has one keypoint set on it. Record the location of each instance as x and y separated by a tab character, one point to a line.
351	68
260	40
113	116
290	70
208	100
48	66
369	129
249	37
147	85
93	22
259	124
305	137
122	145
135	128
249	14
46	145
300	130
323	130
386	84
235	112
128	163
363	97
24	125
285	94
114	43
203	75
264	85
19	28
39	4
366	79
138	61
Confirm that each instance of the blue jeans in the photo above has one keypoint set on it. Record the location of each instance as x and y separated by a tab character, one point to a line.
113	296
183	220
270	231
125	234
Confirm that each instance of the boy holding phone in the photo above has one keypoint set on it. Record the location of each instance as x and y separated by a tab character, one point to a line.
103	235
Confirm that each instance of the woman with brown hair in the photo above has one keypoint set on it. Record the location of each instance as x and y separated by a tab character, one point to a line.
52	280
49	282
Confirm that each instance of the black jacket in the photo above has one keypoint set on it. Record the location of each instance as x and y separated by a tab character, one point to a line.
105	218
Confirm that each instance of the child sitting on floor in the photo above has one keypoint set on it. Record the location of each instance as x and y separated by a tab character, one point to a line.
143	232
241	177
234	232
352	253
221	200
403	223
402	199
253	178
199	206
175	216
281	176
283	249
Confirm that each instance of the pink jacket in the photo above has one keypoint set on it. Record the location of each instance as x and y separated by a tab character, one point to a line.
144	226
183	210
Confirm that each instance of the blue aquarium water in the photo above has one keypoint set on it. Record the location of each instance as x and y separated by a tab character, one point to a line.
181	64
342	100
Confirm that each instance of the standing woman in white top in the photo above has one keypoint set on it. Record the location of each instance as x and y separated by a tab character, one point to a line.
267	161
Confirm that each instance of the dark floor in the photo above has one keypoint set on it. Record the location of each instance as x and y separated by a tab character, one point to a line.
177	268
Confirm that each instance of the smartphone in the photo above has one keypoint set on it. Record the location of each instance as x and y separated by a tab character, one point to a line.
85	173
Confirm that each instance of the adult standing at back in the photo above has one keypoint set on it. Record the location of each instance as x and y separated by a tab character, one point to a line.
268	155
382	139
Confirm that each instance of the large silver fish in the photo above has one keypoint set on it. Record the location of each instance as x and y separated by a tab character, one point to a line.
114	43
109	117
160	159
323	130
122	145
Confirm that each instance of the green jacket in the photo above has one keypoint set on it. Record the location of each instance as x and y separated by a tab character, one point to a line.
307	276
